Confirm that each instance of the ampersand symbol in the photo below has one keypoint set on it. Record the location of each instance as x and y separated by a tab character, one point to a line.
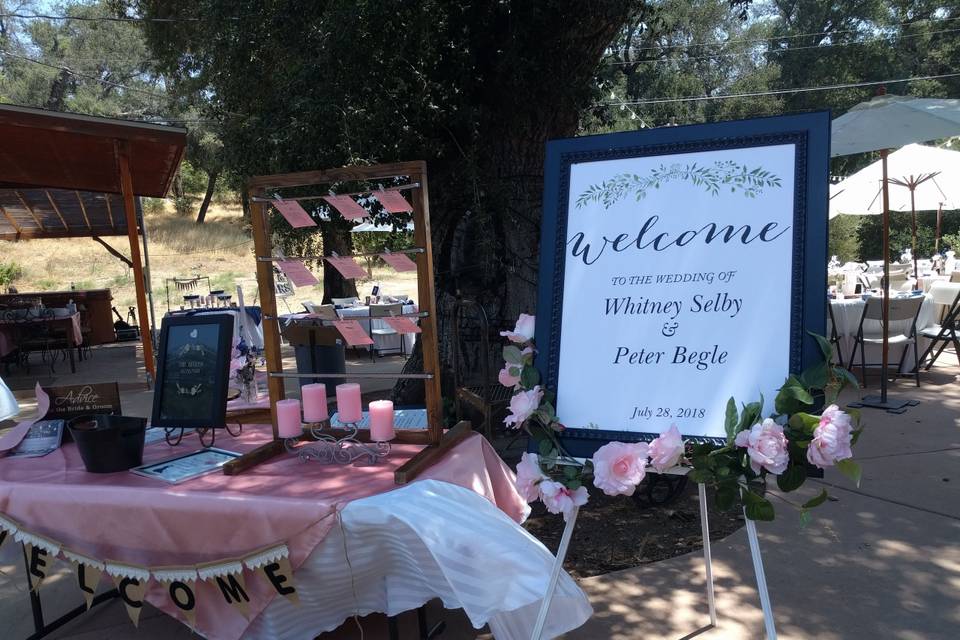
669	329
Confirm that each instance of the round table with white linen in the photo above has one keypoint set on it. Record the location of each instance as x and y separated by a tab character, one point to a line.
847	314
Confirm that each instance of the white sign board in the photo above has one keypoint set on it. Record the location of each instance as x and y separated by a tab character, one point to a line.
678	288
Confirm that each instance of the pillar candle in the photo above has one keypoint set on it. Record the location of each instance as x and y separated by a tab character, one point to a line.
348	402
314	402
288	418
381	420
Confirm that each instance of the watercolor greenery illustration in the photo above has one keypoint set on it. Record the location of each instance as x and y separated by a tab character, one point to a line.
722	174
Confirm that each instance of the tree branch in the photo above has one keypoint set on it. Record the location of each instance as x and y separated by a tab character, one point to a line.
124	259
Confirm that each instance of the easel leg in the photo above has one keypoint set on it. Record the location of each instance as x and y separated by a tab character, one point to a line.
707	559
555	574
761	579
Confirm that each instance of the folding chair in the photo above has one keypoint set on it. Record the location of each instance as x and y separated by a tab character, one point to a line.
947	295
901	310
385	311
835	335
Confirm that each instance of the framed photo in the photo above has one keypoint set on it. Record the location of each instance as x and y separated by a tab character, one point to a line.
187	466
680	267
193	371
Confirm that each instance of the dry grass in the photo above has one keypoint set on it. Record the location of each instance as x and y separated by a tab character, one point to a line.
221	248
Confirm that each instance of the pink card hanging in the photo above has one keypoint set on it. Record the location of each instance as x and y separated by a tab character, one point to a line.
347	207
347	267
298	273
399	261
393	201
352	332
402	325
294	213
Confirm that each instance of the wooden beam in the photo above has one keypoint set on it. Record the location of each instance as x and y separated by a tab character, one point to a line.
34	234
304	178
112	251
107	197
83	209
122	149
30	209
252	458
56	209
432	454
262	246
12	222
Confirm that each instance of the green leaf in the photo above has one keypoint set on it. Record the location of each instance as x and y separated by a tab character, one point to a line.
846	377
545	447
792	397
816	377
756	507
804	518
512	354
570	472
793	478
850	469
726	498
730	420
805	423
825	347
816	501
530	377
701	476
573	484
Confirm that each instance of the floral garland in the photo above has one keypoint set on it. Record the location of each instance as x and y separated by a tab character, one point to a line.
782	445
243	367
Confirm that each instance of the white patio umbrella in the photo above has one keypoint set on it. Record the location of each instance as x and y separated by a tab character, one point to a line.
923	178
883	123
8	404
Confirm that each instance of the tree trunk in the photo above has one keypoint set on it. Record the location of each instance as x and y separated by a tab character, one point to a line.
58	91
211	184
336	239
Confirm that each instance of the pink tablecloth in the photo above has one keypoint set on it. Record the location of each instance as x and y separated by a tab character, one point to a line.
127	518
8	331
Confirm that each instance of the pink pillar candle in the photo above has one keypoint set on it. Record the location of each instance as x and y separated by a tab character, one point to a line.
381	421
288	418
348	402
314	402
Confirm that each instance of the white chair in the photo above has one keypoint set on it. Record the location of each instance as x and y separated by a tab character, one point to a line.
901	310
385	311
947	296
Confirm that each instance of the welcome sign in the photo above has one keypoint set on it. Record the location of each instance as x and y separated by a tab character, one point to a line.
680	267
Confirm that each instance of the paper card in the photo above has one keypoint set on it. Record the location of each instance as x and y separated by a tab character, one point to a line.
297	272
38	564
279	574
352	332
347	267
294	213
233	588
399	261
393	201
88	577
347	207
402	325
183	595
13	437
131	592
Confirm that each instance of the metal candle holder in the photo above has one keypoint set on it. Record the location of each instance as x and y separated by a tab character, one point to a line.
328	449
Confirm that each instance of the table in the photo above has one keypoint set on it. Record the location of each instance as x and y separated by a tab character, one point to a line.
381	342
251	330
452	534
69	325
847	314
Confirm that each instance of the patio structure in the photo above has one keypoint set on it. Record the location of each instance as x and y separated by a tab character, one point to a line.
78	176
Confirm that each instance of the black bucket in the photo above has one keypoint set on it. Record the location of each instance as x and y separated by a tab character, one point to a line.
109	443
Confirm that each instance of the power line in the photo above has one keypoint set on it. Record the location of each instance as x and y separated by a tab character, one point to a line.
734	54
38	16
778	38
775	92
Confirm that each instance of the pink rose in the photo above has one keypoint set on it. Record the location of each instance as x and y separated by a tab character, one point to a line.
666	450
559	499
522	405
506	378
831	438
523	332
529	476
766	446
619	467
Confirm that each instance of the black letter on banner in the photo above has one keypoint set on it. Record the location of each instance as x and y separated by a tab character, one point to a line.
232	590
277	581
3	536
122	588
82	579
188	600
38	560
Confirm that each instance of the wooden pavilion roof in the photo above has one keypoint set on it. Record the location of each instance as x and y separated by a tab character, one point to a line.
59	173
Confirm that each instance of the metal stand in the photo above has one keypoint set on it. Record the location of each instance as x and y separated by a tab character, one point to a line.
329	449
768	623
555	574
707	559
174	435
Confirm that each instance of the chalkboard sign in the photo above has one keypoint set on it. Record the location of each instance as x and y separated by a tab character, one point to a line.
193	371
82	400
679	267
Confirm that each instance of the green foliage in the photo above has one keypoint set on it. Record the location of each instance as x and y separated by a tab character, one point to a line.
842	239
10	272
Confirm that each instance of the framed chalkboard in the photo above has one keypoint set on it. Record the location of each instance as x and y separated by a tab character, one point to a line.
193	371
679	267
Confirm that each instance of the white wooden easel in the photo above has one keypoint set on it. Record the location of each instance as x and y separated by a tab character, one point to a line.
754	541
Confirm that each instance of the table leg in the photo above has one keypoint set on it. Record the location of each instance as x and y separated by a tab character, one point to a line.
73	364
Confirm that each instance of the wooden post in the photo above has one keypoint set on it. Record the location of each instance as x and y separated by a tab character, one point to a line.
122	151
262	246
427	299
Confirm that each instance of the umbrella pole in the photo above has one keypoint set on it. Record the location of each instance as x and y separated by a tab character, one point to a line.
936	238
913	218
881	401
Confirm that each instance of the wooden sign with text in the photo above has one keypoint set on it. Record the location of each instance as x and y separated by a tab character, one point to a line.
83	400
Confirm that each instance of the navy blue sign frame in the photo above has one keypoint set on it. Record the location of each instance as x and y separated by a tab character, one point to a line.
810	135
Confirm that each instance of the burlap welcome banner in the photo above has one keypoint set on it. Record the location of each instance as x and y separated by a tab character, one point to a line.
269	563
